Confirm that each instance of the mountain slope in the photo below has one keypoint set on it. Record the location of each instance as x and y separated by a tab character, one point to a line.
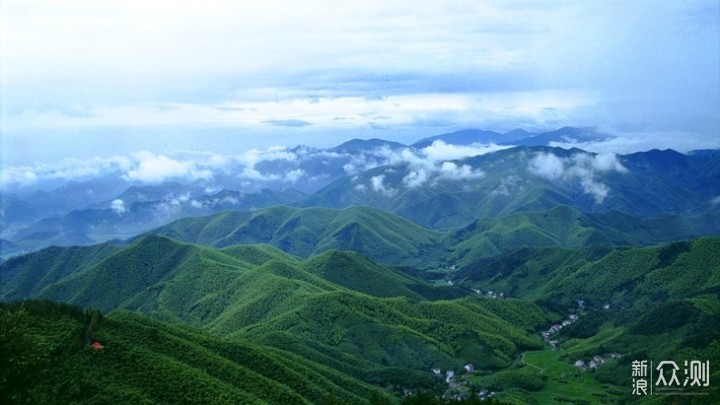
621	276
137	210
452	195
633	303
350	270
564	226
303	232
262	295
146	361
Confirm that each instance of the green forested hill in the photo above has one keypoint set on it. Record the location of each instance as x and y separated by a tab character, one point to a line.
622	276
153	269
656	303
303	232
46	359
349	269
337	309
304	290
388	238
564	226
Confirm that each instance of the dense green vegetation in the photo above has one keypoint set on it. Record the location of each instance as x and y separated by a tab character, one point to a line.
656	303
390	239
303	232
564	226
337	310
628	278
321	305
47	358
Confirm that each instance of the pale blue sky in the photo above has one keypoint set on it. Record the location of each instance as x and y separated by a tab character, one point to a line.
87	78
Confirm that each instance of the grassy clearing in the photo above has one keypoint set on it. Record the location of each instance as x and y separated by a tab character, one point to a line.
565	383
605	335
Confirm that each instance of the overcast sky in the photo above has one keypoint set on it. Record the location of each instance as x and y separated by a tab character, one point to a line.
99	78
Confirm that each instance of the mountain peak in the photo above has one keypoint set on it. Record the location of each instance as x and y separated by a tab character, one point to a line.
358	145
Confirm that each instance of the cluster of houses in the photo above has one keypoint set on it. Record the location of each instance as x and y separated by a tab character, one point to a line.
450	379
593	364
450	374
489	293
554	329
596	361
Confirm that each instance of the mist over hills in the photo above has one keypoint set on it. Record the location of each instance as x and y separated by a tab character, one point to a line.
443	182
454	193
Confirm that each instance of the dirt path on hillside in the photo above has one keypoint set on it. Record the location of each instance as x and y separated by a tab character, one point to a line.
522	358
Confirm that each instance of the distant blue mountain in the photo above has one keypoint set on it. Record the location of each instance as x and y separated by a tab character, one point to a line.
518	137
562	135
357	173
363	145
470	136
653	183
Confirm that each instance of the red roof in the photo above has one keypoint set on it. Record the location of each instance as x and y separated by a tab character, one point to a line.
96	345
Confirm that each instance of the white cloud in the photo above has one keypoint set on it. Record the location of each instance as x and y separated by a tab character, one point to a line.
416	178
547	165
452	171
294	175
252	174
580	167
598	190
378	185
19	175
624	142
118	206
358	65
439	150
508	185
65	169
230	200
431	162
154	168
254	156
606	162
349	168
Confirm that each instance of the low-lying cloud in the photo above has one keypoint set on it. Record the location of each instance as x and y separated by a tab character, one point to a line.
433	163
379	186
425	166
154	168
582	167
631	142
118	206
254	169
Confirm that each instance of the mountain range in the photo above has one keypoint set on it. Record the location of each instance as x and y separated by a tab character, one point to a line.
415	182
502	258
